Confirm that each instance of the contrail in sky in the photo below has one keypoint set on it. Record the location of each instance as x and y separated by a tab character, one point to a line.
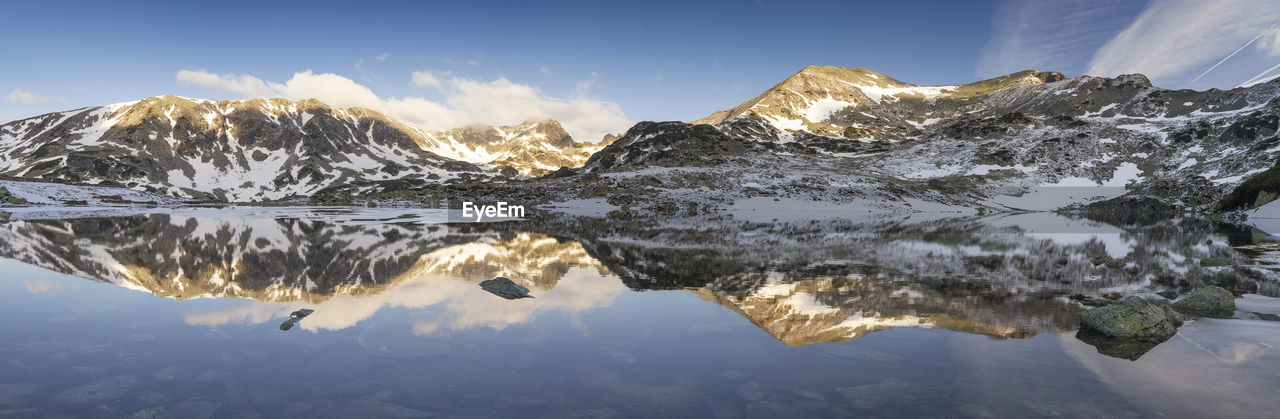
1242	47
1246	84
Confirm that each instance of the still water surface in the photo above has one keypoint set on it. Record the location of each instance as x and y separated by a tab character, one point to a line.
160	315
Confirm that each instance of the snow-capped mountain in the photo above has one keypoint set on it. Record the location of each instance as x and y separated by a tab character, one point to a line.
532	148
267	149
246	150
1030	140
862	104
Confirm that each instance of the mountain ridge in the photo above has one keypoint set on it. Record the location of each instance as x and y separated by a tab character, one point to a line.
1031	140
261	149
825	134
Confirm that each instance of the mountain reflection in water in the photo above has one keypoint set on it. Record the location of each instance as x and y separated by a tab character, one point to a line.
803	283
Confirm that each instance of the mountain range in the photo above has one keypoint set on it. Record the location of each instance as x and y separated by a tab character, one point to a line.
266	149
1027	141
849	138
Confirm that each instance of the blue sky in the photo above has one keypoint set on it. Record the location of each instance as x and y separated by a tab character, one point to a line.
595	65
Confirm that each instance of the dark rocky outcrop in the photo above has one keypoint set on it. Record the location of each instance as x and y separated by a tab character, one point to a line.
7	198
506	288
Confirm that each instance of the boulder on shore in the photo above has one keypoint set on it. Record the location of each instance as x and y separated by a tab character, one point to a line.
1131	318
1127	329
1207	301
7	197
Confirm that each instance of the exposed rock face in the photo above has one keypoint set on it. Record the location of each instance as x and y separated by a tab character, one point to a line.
667	144
1132	318
1208	301
533	148
822	100
835	134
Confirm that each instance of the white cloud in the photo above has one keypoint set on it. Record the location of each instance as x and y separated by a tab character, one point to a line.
1269	43
22	96
1054	36
425	79
466	101
240	85
1173	39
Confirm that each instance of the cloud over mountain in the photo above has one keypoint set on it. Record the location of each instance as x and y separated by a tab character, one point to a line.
1181	37
466	101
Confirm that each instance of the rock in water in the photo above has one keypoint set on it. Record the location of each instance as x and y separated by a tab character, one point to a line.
295	317
1132	318
1129	328
1208	301
1170	295
505	288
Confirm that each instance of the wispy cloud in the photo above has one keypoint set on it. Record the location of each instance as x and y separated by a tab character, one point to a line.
1172	39
1057	35
428	78
23	96
1233	53
466	101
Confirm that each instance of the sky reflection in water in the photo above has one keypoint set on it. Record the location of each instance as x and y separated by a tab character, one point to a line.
816	329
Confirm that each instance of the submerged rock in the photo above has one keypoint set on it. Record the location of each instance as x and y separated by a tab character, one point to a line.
103	390
16	393
752	391
505	288
1208	301
151	413
1131	318
887	392
197	409
1170	295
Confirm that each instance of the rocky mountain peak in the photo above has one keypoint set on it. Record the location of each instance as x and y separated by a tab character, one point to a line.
547	130
532	148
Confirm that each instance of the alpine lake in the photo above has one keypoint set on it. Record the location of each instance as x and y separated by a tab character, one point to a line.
183	313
